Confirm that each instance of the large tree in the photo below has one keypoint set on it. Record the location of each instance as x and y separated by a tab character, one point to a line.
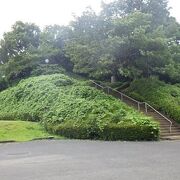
52	44
142	50
129	38
120	8
22	37
88	43
129	48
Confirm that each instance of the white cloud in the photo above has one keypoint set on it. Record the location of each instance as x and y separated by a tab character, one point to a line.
175	4
41	12
44	12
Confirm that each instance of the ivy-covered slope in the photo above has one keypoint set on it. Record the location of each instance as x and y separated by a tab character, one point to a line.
72	108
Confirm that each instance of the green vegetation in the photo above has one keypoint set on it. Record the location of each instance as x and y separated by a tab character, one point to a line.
124	131
21	131
71	108
162	96
45	69
126	41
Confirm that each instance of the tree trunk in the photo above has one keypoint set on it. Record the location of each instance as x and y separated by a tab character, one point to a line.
113	79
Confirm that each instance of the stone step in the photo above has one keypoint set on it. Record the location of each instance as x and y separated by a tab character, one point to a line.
170	138
170	134
167	125
167	131
162	121
155	115
164	124
158	117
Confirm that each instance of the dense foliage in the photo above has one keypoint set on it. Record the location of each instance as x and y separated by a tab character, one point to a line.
127	39
25	50
128	132
62	102
164	97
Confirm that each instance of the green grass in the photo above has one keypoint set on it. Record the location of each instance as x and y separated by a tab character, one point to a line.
21	131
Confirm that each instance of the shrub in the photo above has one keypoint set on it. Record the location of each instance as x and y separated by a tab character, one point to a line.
130	132
45	69
111	132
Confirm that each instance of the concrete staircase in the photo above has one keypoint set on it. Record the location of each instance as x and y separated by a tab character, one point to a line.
169	129
164	127
164	124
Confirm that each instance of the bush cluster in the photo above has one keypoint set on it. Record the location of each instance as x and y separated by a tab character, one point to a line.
45	69
129	132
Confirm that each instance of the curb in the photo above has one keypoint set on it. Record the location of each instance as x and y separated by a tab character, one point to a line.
35	139
9	141
46	138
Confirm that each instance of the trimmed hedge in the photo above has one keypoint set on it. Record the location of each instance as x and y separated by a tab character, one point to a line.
130	132
111	132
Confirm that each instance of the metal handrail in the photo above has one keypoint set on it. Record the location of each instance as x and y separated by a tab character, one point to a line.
170	128
138	102
115	91
97	84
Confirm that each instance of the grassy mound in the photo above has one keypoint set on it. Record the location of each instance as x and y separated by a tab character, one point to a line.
70	107
21	131
164	97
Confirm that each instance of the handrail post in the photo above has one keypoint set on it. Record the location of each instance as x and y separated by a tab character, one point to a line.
170	128
138	106
108	89
146	108
121	97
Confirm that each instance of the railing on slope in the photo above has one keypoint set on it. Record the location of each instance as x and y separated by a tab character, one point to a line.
126	98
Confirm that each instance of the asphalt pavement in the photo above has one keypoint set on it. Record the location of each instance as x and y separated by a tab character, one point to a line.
90	160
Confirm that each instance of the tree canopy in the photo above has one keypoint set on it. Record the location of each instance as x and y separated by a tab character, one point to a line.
127	39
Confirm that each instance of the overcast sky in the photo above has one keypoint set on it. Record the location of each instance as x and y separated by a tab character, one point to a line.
45	12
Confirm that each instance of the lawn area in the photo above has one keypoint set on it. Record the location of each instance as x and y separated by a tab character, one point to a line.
21	131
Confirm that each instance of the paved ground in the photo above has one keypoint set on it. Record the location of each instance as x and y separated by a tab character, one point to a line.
90	160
